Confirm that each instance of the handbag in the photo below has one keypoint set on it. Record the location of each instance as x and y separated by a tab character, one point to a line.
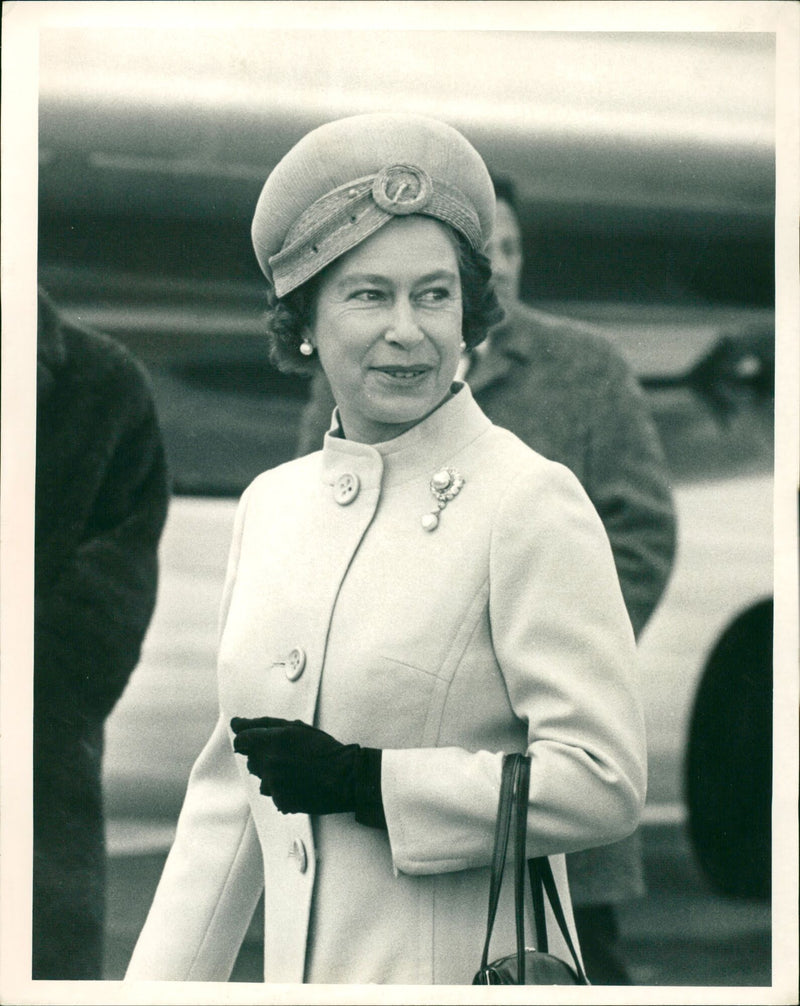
527	966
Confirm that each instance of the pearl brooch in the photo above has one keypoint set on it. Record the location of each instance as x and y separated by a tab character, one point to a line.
445	485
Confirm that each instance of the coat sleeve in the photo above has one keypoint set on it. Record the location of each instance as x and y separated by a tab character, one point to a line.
214	873
627	480
90	623
564	645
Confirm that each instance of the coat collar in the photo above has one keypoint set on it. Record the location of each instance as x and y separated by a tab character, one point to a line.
420	451
509	344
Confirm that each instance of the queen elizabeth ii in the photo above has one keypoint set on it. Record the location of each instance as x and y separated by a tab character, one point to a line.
401	608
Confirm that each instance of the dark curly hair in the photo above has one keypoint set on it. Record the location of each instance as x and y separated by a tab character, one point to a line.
287	317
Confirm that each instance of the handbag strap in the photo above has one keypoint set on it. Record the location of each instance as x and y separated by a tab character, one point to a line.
539	918
512	808
502	827
541	876
521	788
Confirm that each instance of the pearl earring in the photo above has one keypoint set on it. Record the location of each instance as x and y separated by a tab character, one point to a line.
306	348
462	345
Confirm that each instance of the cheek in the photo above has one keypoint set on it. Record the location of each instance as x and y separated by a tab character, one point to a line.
336	336
449	336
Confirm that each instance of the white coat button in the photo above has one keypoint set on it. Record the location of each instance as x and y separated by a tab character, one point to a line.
295	663
297	852
346	488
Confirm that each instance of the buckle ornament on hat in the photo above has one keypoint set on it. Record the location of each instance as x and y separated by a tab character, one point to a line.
401	189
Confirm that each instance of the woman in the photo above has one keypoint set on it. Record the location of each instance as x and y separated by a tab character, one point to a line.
400	608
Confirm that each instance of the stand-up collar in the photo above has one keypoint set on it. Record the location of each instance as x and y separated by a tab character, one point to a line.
419	451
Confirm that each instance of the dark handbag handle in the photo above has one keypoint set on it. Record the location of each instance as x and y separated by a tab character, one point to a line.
501	830
513	804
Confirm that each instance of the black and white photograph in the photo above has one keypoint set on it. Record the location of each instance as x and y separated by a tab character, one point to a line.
400	413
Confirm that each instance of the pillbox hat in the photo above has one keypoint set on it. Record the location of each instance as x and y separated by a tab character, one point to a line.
344	180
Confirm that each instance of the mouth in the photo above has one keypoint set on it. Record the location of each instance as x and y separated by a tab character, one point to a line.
403	373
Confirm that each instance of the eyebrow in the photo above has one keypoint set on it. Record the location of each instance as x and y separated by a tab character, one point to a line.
377	278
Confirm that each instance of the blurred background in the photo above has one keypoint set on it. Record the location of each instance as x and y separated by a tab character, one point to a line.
644	165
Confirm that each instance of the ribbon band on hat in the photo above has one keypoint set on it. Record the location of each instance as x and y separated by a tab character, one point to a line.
350	213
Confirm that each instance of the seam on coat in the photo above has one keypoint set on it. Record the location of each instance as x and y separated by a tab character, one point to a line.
411	667
206	935
473	610
476	606
438	702
492	537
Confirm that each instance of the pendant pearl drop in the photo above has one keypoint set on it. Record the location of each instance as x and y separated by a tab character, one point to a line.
430	521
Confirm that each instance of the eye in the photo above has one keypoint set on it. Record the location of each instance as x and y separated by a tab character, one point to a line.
367	295
433	295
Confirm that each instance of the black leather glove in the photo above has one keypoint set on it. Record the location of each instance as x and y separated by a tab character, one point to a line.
306	771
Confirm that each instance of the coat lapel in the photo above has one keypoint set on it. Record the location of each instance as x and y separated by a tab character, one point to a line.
487	368
507	346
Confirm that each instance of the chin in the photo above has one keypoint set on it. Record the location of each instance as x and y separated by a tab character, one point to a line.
407	412
399	417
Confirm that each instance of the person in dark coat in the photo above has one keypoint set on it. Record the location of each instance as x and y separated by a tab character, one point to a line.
101	502
564	390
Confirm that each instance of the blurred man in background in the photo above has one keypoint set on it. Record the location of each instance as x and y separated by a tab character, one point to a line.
564	390
101	502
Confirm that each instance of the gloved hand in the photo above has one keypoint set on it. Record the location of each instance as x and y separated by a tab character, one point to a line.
306	771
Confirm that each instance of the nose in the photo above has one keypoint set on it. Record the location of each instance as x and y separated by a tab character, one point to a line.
403	327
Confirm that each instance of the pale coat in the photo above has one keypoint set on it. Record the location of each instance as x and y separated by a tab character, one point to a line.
565	391
502	630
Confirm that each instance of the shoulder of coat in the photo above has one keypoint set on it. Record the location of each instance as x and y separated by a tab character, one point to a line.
529	483
508	459
576	344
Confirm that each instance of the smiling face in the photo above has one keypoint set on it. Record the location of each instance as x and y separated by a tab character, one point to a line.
387	327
